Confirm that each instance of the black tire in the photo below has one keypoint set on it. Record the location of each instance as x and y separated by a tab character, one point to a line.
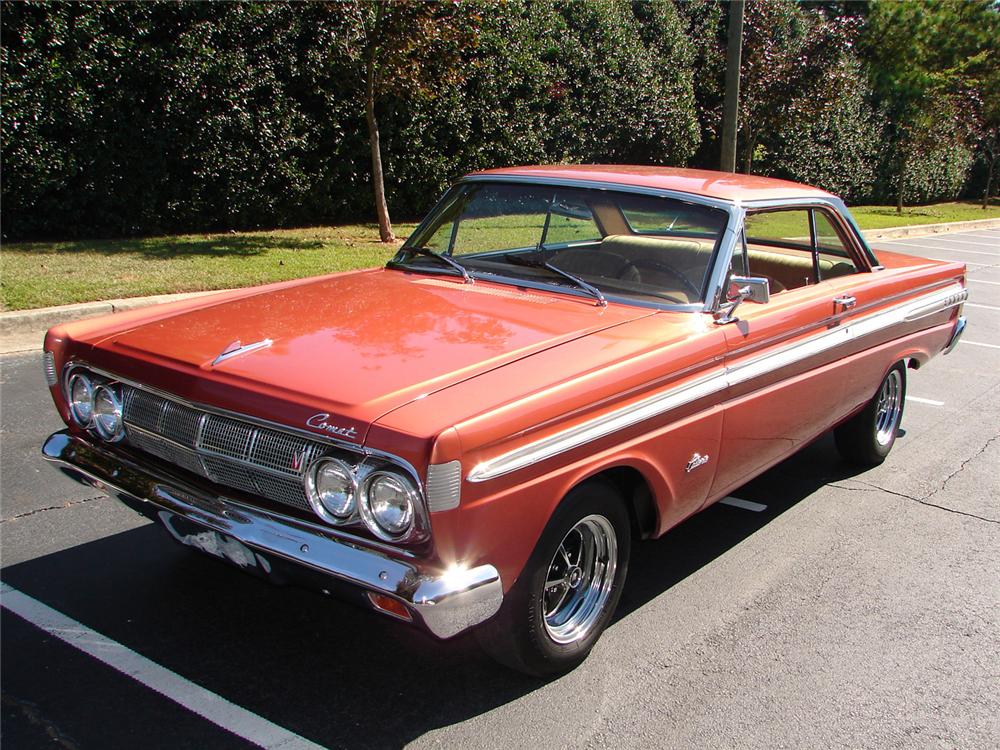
866	438
529	633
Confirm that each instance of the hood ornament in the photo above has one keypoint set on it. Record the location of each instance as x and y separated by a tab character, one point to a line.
235	349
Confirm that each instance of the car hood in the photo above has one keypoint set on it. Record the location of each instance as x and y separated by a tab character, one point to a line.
350	347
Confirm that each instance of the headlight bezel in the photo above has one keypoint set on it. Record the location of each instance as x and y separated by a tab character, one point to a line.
369	516
84	377
314	494
364	475
109	435
96	383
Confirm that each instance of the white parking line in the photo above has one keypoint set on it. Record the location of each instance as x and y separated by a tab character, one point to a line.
953	250
928	401
981	241
966	262
983	281
977	343
982	307
194	698
744	504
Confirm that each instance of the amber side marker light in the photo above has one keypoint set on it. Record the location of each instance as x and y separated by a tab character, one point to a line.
390	606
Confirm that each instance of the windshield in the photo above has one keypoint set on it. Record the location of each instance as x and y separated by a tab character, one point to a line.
626	245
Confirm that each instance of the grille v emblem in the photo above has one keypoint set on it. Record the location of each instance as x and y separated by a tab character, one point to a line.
235	349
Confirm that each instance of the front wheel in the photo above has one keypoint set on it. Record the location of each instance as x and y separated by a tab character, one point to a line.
568	591
867	437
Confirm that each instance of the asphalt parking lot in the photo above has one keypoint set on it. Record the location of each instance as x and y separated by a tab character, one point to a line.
853	610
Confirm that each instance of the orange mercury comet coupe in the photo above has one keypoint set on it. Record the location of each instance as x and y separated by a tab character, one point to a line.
560	360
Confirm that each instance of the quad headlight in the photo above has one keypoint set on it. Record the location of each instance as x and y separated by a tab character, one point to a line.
108	413
385	501
95	403
332	490
388	505
81	398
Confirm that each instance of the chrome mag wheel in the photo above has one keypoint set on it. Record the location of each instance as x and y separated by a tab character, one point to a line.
890	406
579	580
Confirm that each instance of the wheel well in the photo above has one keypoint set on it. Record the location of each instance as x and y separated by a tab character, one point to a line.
638	498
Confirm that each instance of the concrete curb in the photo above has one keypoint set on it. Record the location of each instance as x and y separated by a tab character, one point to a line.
919	230
23	330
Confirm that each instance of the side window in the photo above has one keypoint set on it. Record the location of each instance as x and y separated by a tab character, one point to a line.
834	258
779	248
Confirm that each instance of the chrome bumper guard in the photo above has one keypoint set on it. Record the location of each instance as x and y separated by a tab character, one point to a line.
955	335
445	602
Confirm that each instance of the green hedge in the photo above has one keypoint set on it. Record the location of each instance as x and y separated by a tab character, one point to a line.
139	118
129	118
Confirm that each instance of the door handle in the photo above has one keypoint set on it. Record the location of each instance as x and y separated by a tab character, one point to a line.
846	301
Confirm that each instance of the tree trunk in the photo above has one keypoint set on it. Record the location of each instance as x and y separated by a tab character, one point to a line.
751	147
989	181
384	225
731	104
902	181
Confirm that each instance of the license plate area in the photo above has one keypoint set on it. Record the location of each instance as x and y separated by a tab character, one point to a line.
217	544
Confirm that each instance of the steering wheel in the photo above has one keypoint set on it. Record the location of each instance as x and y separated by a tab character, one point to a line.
658	265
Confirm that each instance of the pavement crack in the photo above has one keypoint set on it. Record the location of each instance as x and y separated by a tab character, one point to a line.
958	512
869	487
964	463
33	714
65	505
925	500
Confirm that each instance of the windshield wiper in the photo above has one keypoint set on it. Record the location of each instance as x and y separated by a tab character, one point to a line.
447	259
532	262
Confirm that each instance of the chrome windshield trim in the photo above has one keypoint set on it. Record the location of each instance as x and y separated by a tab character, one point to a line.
619	187
716	277
673	398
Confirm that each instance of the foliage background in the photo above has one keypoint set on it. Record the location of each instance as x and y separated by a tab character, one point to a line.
121	119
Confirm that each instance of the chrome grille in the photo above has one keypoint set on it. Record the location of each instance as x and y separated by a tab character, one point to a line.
227	451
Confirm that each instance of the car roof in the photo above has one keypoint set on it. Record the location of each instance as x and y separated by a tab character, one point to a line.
721	185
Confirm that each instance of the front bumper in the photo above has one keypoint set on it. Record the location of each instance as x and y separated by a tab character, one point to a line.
445	602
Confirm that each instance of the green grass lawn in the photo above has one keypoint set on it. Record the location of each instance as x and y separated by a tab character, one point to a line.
883	217
41	274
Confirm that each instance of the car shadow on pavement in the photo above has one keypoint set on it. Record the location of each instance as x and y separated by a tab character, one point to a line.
327	670
659	564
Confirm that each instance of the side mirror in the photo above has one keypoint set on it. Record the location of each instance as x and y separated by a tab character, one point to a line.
754	288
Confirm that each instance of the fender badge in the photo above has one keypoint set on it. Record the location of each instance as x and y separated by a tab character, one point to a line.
696	460
318	422
235	349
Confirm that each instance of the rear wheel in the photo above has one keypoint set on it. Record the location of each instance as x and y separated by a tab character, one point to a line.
568	591
867	437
